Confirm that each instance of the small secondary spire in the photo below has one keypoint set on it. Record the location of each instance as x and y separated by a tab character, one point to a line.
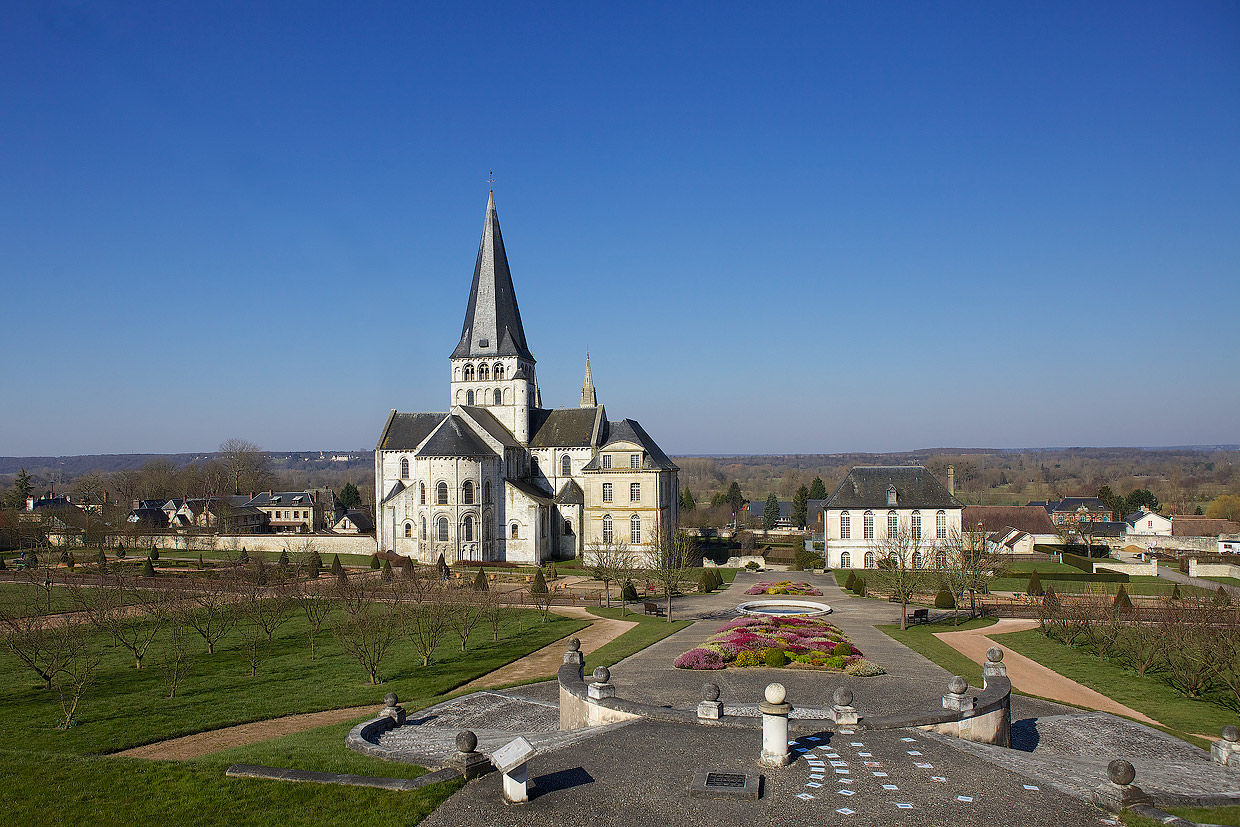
588	397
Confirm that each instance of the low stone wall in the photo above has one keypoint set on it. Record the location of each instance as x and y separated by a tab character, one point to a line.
325	543
1196	569
1148	569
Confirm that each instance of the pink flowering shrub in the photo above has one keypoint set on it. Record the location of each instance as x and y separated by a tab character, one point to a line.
743	642
783	587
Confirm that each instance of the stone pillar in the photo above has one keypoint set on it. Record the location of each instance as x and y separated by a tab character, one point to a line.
512	759
994	667
468	761
1227	750
775	711
956	698
843	712
601	686
709	709
573	655
392	709
1120	793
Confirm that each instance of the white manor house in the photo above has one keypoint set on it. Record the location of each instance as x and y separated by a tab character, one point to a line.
500	478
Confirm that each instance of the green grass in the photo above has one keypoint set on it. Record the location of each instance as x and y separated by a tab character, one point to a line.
1150	695
1228	581
921	639
648	630
1138	584
1030	566
1199	815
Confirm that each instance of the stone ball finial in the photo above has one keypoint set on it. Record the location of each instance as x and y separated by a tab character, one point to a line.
775	693
710	692
574	645
466	741
994	654
1230	733
390	699
602	674
843	696
957	685
1121	772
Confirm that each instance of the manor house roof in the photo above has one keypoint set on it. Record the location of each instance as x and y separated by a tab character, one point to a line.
1031	519
866	487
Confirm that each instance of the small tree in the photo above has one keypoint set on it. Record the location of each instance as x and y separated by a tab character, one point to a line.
944	599
282	561
349	496
817	489
175	659
366	628
374	561
770	512
1221	597
480	581
674	553
1122	602
76	662
1175	592
243	557
800	507
902	566
687	503
337	569
387	571
1034	589
148	568
609	562
154	555
851	581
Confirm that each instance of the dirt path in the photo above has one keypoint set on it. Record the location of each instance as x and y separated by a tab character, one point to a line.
541	663
1029	675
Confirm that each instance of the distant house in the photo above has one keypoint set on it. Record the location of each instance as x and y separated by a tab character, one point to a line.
1148	523
875	502
1229	544
1071	511
355	521
147	517
290	512
1010	541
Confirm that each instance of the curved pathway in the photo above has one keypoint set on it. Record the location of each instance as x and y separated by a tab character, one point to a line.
542	663
1030	676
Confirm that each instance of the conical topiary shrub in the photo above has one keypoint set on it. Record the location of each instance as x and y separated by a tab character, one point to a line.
337	569
705	582
1221	597
3	567
859	587
154	553
628	592
944	599
1050	601
1175	592
244	556
407	571
539	584
1034	589
282	561
71	562
480	582
148	568
851	581
1123	603
375	565
387	571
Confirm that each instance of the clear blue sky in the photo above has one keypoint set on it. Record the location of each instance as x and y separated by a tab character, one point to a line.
797	228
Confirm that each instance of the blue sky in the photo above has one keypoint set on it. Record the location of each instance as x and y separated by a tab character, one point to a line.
806	228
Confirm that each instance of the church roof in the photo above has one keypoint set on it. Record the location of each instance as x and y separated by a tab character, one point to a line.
492	325
487	421
563	427
571	494
454	438
629	430
405	431
396	489
866	487
530	490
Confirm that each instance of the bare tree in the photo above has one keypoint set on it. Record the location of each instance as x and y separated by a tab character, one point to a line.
465	611
175	658
77	659
492	609
903	562
249	467
425	617
673	555
131	615
970	563
367	627
314	607
26	634
215	611
1187	635
610	562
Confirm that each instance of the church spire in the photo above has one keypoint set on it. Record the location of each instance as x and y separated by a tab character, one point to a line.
588	398
492	325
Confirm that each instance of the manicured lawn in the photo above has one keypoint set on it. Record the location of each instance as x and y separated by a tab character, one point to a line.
921	639
1198	815
647	631
1030	566
1150	695
1227	581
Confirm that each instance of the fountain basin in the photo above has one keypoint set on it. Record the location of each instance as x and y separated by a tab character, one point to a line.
784	607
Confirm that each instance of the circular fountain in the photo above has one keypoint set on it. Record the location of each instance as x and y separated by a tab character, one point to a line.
784	607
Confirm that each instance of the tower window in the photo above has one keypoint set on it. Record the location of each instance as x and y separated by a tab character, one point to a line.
467	492
469	397
486	492
441	493
404	468
513	531
566	466
442	525
484	372
422	494
469	373
467	529
499	370
499	397
408	529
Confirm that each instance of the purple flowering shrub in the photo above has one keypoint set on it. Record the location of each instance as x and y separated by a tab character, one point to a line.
783	587
807	641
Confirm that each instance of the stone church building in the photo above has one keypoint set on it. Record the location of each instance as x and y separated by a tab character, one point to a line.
501	478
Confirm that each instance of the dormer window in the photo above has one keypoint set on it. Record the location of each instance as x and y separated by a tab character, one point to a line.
276	498
635	460
891	495
606	460
484	343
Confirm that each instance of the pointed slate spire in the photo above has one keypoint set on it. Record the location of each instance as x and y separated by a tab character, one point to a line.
492	324
588	397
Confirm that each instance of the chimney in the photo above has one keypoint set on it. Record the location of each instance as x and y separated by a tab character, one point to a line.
951	480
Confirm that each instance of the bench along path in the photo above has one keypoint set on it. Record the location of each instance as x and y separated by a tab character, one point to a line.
540	664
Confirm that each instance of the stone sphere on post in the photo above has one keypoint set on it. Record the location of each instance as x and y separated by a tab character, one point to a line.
1230	733
574	644
1121	772
994	654
775	693
466	741
710	692
957	685
843	696
601	674
390	699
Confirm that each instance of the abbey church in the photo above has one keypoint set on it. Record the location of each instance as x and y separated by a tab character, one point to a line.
501	478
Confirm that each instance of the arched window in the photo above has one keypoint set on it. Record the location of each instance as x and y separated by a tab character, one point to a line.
499	397
441	493
846	561
422	495
469	373
566	466
486	492
423	528
404	468
940	525
469	397
845	526
568	527
408	529
893	524
869	559
442	528
607	533
499	370
484	373
916	559
486	527
507	396
467	529
916	525
635	529
867	525
940	560
533	466
891	495
513	531
467	492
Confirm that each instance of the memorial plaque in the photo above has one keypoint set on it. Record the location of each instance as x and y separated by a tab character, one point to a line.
512	754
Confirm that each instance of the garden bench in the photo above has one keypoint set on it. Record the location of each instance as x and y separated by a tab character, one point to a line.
652	608
919	616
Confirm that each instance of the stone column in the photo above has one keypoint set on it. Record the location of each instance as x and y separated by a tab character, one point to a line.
1120	793
775	711
573	655
843	712
710	709
956	698
392	709
601	686
994	667
1227	750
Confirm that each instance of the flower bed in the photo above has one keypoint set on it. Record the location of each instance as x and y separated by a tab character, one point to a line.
778	641
783	587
